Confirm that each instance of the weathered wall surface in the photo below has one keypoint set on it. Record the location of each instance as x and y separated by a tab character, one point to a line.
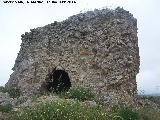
98	49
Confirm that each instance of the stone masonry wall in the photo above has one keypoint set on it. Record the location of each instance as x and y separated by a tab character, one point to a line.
98	49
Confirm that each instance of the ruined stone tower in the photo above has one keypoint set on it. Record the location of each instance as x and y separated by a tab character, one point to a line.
97	50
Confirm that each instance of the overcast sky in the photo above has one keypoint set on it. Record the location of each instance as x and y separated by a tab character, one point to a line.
16	19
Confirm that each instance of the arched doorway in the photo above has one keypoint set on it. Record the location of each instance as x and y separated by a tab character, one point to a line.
58	81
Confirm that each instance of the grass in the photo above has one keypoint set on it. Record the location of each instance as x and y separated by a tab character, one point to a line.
79	93
61	111
75	110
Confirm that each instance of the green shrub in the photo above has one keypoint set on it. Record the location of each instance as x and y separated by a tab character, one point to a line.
123	113
61	111
21	100
1	88
7	108
147	113
128	114
35	97
80	94
13	92
155	99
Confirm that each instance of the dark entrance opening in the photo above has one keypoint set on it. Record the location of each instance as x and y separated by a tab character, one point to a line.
58	81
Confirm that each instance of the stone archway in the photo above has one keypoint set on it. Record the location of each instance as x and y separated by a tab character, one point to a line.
58	81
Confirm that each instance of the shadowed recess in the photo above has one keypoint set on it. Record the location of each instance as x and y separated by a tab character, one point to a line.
58	81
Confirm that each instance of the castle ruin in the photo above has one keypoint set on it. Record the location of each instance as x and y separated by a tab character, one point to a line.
97	50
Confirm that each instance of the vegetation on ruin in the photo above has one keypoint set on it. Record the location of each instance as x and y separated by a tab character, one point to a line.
13	92
6	108
79	93
75	110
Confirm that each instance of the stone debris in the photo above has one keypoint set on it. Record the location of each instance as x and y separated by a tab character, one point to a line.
98	49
